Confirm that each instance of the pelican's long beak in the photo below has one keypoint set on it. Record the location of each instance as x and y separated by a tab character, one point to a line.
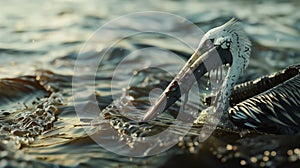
202	61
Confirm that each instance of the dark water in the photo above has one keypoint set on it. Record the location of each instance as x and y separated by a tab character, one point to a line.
40	44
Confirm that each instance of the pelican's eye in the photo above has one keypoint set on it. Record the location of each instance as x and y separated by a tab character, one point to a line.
226	43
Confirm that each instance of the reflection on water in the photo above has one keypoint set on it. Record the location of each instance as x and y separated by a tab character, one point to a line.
43	41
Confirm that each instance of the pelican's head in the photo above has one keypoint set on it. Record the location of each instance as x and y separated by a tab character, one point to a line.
223	45
228	37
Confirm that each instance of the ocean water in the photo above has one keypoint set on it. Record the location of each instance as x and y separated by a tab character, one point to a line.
59	100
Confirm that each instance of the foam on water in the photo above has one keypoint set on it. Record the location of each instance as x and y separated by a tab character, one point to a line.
30	122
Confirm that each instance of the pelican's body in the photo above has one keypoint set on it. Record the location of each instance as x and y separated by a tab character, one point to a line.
271	104
271	107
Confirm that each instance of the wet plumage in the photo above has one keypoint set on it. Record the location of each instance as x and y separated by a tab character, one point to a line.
276	109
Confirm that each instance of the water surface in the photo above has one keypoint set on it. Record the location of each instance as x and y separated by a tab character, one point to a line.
39	46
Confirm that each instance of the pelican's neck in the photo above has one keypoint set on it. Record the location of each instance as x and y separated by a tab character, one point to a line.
225	92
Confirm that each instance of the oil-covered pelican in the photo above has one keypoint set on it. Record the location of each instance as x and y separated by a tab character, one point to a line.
269	104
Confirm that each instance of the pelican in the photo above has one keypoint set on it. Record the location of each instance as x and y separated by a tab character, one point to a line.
269	104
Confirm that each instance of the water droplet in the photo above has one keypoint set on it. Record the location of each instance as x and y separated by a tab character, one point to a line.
297	151
229	147
243	162
267	153
265	158
253	159
289	152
